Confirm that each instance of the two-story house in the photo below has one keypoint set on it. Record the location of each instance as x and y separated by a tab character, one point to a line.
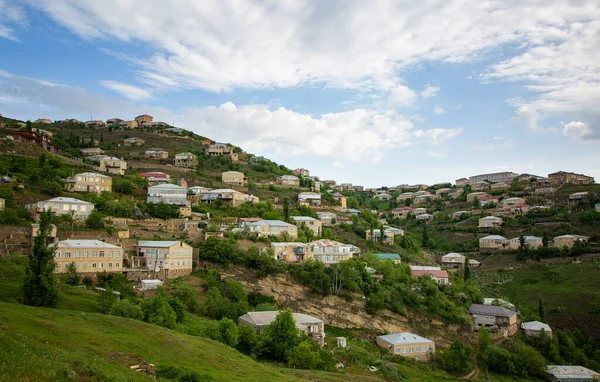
265	228
168	194
288	181
311	326
168	258
490	222
108	164
408	345
492	315
89	182
60	206
186	159
493	243
309	199
330	252
309	222
156	153
90	256
235	178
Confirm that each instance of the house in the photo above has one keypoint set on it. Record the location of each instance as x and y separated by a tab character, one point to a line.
95	123
91	151
186	159
227	195
144	119
563	373
562	177
530	242
442	192
383	197
493	243
453	260
156	153
491	200
234	177
340	198
38	137
401	212
173	258
480	186
2	204
88	182
155	177
471	196
569	240
114	121
108	164
265	228
350	211
243	221
393	257
60	206
197	190
490	222
288	181
44	121
461	182
577	197
129	124
423	198
90	256
510	202
221	149
309	325
405	195
535	329
359	188
388	236
460	214
330	252
302	172
35	232
329	182
493	315
326	217
168	194
424	217
290	252
312	223
456	193
500	186
309	199
317	186
134	141
347	187
419	211
437	274
407	345
493	177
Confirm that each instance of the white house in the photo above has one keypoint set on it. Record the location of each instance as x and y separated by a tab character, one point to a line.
60	206
168	194
535	329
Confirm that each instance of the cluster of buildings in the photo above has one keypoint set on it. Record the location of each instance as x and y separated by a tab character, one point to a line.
492	243
324	250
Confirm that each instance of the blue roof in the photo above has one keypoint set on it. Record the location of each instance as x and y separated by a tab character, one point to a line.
387	256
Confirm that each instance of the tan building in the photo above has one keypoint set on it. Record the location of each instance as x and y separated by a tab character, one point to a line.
492	315
511	202
530	242
461	182
490	222
265	228
312	223
563	177
2	204
473	195
535	329
311	326
405	195
309	199
330	252
109	165
156	153
227	195
302	172
89	182
133	141
221	149
235	178
500	186
288	181
129	124
569	240
44	121
186	159
326	217
143	119
169	258
401	212
290	252
493	243
90	256
91	151
407	345
96	123
341	199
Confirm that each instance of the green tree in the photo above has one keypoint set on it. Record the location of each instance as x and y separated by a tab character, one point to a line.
456	359
73	277
282	335
42	160
425	237
476	202
286	208
126	308
303	356
485	341
40	287
158	311
545	239
467	270
53	189
227	332
541	310
521	243
95	220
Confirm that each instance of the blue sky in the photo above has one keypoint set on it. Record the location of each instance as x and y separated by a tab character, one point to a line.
373	93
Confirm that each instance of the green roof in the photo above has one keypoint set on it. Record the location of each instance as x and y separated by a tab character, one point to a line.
387	256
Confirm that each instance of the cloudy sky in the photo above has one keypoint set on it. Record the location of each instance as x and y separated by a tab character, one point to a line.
368	92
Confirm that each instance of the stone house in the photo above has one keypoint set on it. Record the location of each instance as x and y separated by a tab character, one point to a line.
493	243
310	222
133	141
309	325
490	222
156	153
492	315
61	205
89	182
407	345
168	258
90	256
235	178
265	228
186	159
569	240
288	181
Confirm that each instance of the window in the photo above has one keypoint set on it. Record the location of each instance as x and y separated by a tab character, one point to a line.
404	350
94	254
101	253
67	254
65	207
58	255
397	350
84	265
77	254
117	265
83	208
85	254
118	254
101	265
110	265
93	265
110	254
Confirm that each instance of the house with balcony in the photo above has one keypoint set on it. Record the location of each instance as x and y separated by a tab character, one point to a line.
222	149
493	243
309	199
169	259
311	326
227	195
144	119
88	182
492	315
313	224
168	194
265	228
490	222
60	206
186	159
235	178
330	252
156	153
108	164
290	252
407	345
90	257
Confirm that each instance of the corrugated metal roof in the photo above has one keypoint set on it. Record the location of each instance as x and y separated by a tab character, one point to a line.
158	243
85	244
265	318
536	325
491	310
404	338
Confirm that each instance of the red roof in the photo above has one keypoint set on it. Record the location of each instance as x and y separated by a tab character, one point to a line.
438	274
159	175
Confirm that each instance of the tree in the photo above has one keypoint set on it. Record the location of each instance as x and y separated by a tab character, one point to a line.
476	202
484	340
304	356
545	239
425	238
541	310
95	220
521	243
73	277
42	160
39	287
282	334
158	311
467	272
286	208
53	189
456	359
227	332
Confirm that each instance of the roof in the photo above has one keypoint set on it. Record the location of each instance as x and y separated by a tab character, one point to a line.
84	244
303	218
92	174
441	274
491	310
387	256
265	318
494	218
564	372
424	268
402	209
536	325
288	177
493	237
166	185
404	338
157	243
573	237
66	200
328	243
288	244
185	153
453	255
270	223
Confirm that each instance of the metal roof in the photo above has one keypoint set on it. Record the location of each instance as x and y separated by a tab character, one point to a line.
387	256
576	373
66	200
404	338
158	243
265	318
271	223
303	218
85	244
536	325
491	310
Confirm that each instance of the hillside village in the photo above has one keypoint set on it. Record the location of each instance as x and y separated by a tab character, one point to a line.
402	275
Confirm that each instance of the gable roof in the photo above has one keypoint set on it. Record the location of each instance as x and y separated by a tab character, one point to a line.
158	243
84	244
387	256
536	325
491	310
265	318
404	338
440	274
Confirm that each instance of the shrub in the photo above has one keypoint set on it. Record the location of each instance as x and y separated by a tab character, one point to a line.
126	308
227	332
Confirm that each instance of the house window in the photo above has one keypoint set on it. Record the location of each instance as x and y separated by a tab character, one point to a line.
116	265
110	265
85	254
77	254
94	254
118	254
404	350
101	253
84	265
67	254
397	350
110	254
58	255
93	265
101	265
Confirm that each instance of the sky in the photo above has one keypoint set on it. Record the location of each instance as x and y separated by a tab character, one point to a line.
368	92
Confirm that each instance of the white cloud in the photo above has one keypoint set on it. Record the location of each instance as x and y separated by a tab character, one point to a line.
580	131
11	17
134	93
438	135
338	164
439	110
429	91
402	95
434	154
529	117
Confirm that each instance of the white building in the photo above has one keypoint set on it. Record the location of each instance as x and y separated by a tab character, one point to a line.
493	177
60	206
331	252
172	257
168	194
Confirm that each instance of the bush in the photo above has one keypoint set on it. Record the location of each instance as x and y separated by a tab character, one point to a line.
127	309
456	359
499	360
227	332
158	311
